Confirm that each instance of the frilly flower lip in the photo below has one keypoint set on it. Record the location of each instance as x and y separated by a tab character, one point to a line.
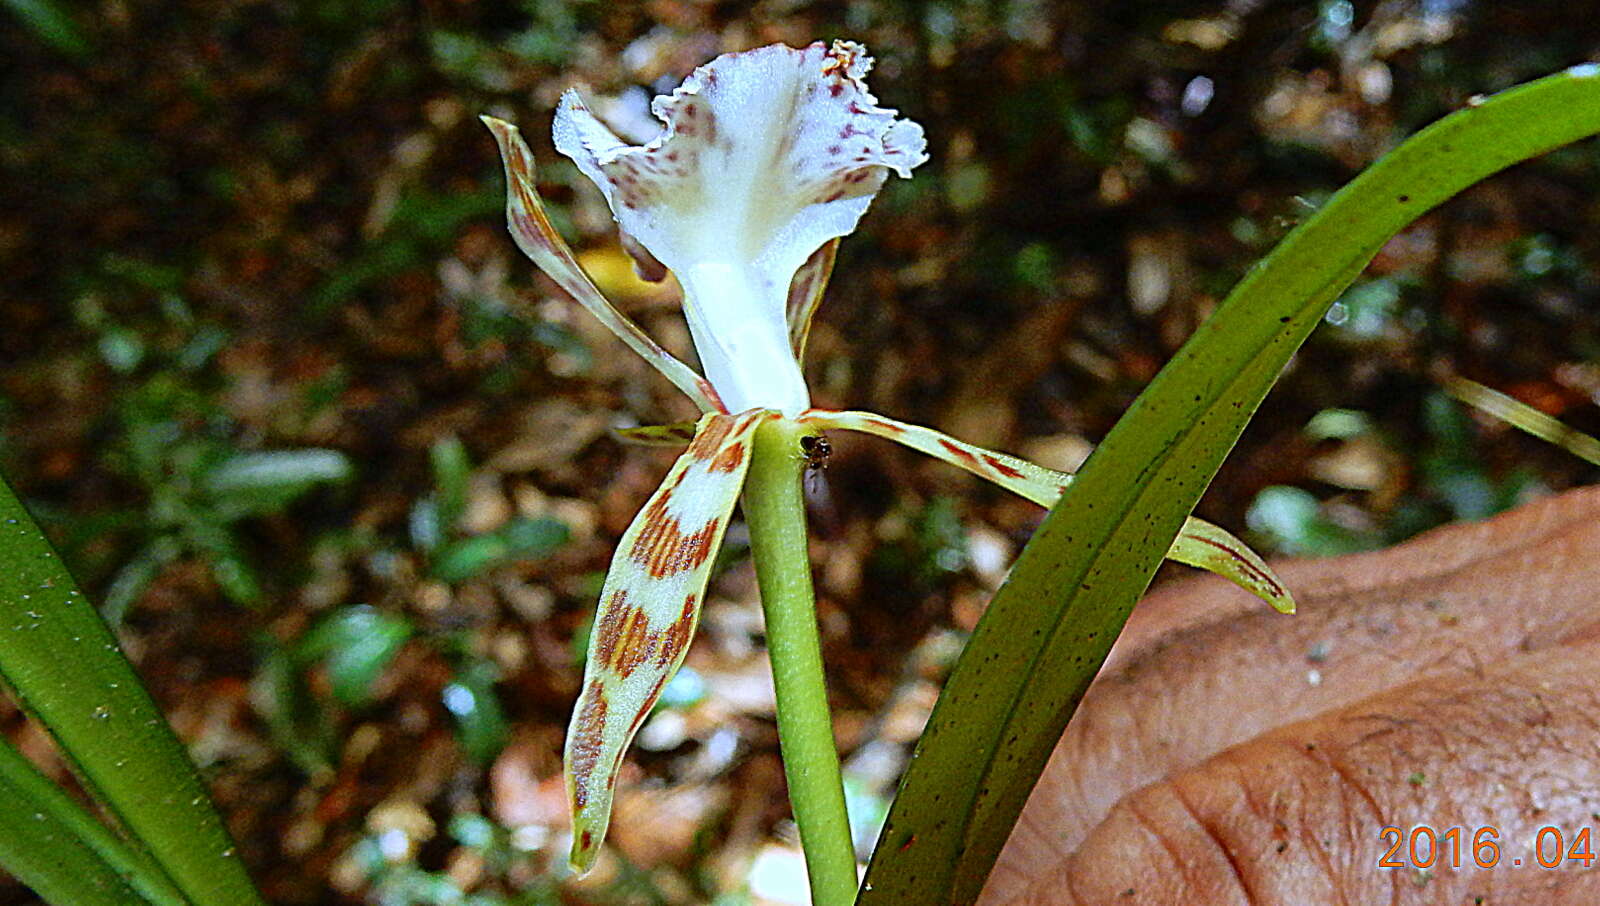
764	156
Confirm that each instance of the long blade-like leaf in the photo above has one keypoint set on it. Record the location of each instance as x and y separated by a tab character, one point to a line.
55	847
64	664
1050	626
1524	417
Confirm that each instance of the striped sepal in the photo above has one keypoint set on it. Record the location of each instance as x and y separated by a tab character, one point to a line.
674	435
648	610
805	294
1199	543
531	229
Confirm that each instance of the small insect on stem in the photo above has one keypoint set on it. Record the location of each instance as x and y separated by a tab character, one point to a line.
816	449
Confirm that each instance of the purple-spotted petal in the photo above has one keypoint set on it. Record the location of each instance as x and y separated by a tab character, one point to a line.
763	157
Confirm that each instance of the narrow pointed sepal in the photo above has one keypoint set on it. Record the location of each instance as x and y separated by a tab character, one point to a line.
1199	543
674	435
1037	483
1208	547
649	607
538	239
805	294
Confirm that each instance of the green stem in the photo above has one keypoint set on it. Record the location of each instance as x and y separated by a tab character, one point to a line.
775	511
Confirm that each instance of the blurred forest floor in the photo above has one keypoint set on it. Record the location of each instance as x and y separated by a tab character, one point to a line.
336	458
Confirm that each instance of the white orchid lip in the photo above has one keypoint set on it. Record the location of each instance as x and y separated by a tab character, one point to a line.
764	156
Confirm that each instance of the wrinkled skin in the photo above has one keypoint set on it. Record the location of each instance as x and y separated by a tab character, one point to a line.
1455	684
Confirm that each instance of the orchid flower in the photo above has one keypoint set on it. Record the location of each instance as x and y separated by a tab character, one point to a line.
766	159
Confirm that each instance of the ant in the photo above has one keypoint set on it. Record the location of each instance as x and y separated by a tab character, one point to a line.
816	449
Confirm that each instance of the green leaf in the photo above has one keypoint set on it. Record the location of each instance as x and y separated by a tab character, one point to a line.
122	349
52	24
136	575
427	532
299	726
533	537
521	537
1524	417
65	666
263	482
1050	626
356	644
452	469
480	722
464	559
232	572
52	845
1292	518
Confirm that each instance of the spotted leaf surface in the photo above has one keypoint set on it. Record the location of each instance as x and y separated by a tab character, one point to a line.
649	606
1199	544
538	239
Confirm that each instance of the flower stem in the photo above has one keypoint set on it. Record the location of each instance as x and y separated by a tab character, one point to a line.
775	511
